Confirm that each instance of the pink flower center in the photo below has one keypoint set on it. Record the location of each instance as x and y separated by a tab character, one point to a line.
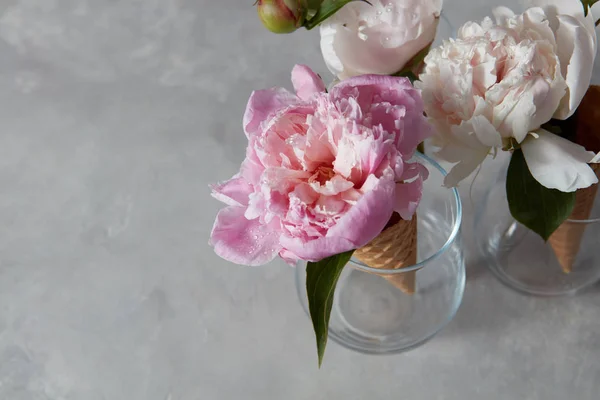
322	175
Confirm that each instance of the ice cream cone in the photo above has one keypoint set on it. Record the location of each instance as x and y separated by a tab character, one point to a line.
394	248
588	120
566	240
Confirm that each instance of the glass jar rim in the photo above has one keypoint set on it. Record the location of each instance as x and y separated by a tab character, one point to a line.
451	238
583	221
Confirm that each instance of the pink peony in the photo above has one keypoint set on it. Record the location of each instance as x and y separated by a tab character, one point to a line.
323	171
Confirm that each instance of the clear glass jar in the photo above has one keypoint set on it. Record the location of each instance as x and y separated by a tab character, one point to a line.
521	259
371	315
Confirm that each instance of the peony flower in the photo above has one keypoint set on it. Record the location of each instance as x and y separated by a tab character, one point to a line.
497	83
323	171
380	38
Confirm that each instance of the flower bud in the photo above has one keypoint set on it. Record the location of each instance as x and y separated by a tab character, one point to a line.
282	16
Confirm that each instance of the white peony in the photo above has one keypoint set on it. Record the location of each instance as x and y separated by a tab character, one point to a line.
380	38
497	83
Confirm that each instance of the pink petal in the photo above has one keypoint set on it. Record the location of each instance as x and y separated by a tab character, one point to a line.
382	87
414	170
335	185
407	198
306	82
318	249
256	206
330	205
241	241
252	169
234	192
372	153
264	104
357	227
282	179
289	257
394	95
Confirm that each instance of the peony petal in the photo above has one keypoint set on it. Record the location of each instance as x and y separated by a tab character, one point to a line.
333	62
576	50
367	218
467	159
264	104
234	192
413	171
515	114
502	14
251	168
241	241
334	186
555	7
485	132
289	257
395	88
318	249
357	227
536	19
306	82
558	163
407	198
256	206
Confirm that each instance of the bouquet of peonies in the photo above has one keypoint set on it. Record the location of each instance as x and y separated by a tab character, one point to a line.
515	84
328	174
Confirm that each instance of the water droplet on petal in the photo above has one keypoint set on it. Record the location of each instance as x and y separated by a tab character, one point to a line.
379	12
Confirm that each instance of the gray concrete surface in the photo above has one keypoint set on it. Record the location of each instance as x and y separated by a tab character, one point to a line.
115	115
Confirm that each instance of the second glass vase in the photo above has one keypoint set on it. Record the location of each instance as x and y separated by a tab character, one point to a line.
522	260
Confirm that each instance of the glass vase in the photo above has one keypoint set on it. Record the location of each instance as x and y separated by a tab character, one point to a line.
370	314
522	260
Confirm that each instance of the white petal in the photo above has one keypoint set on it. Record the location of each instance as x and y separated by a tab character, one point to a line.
328	32
596	159
465	167
380	38
576	50
558	163
515	114
595	9
485	132
555	7
535	18
502	14
466	157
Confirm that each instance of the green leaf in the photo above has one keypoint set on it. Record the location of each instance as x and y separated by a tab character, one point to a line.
587	4
540	209
326	10
321	278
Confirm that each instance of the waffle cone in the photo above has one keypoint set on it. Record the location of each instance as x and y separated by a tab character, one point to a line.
394	248
566	240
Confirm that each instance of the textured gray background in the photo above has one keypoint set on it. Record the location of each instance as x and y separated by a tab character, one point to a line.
114	117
